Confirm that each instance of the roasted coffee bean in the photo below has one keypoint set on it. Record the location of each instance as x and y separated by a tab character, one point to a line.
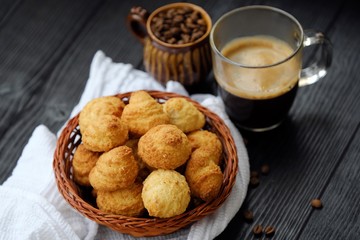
196	35
178	18
171	40
194	16
184	29
316	203
175	30
201	22
269	231
265	169
248	216
168	34
185	37
257	230
185	25
254	173
191	25
254	181
188	20
170	13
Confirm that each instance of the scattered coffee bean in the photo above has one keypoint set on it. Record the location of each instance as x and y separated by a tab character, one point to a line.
265	168
178	25
269	231
316	203
257	230
248	215
254	181
254	173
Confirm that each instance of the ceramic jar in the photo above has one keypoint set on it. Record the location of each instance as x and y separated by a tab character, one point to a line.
188	63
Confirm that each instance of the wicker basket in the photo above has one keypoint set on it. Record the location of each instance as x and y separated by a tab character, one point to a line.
70	138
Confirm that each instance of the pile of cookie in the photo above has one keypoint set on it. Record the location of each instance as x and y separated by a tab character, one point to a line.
145	158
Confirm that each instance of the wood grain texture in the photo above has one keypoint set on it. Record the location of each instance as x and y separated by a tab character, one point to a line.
46	48
33	41
305	151
339	218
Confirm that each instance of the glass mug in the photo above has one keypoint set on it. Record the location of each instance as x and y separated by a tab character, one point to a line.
257	54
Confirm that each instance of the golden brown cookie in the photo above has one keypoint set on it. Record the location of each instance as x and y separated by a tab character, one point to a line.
107	105
208	140
165	193
203	175
143	170
100	124
114	170
126	201
184	114
164	146
83	161
142	113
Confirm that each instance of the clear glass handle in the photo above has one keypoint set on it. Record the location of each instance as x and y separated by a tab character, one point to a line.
317	69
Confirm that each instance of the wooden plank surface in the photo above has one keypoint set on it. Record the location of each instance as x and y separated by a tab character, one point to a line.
339	218
309	147
46	48
33	41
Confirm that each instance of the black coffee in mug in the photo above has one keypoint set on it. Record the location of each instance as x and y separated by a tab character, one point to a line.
257	63
258	97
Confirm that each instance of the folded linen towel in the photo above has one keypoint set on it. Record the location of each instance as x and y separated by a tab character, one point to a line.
31	206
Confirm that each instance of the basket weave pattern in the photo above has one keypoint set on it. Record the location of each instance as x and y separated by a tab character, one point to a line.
70	138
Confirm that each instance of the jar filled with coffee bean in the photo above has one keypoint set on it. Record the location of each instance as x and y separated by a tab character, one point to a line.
176	42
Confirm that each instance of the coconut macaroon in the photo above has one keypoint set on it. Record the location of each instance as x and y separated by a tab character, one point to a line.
143	170
184	114
114	170
165	193
125	201
208	140
100	124
203	175
142	113
203	172
164	146
84	160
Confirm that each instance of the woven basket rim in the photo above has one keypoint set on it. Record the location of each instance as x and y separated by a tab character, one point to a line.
140	226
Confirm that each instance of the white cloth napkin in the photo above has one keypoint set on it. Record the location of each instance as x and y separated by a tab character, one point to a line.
31	206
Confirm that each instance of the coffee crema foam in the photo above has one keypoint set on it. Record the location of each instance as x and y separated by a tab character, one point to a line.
258	81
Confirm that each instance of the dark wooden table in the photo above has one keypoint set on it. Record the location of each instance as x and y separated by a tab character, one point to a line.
46	48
